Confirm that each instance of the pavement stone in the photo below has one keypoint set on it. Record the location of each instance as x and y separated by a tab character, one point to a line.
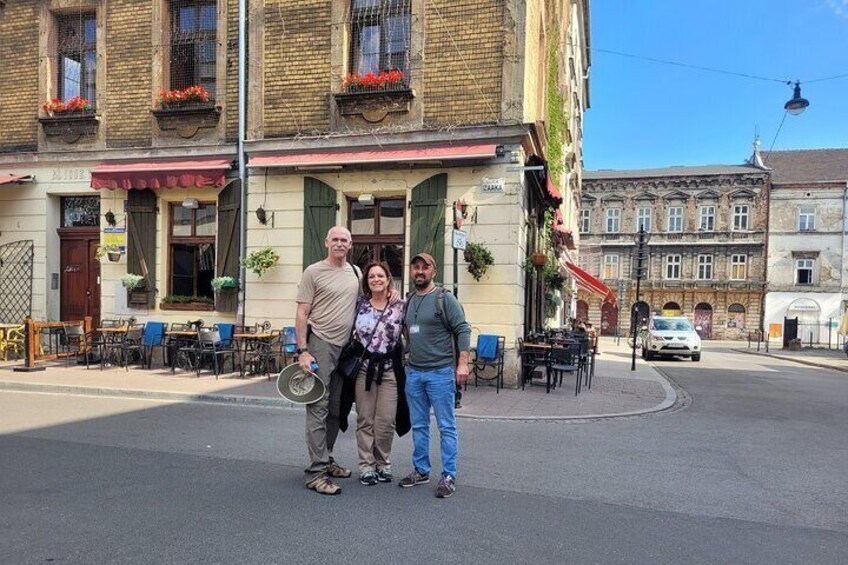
616	391
825	358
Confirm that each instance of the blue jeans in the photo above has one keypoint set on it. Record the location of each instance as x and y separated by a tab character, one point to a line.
436	388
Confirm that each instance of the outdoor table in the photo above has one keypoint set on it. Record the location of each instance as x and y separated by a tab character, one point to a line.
258	347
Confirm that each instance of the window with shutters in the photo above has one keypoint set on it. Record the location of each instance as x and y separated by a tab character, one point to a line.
379	233
191	246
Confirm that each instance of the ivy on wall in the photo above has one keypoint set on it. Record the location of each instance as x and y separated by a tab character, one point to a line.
557	117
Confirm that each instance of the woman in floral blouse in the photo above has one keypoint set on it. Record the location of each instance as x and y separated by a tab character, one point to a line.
380	401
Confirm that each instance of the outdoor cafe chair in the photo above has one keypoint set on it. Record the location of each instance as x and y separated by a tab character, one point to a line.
565	359
153	337
531	358
210	345
74	341
489	354
13	342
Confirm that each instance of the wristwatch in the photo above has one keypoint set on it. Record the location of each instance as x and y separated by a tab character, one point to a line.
304	350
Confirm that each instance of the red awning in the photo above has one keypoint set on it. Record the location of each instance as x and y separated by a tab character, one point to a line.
371	156
169	174
9	179
563	233
553	191
590	283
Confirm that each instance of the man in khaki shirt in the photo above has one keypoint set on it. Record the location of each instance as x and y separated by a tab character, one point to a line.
326	301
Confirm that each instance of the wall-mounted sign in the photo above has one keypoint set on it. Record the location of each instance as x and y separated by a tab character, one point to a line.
115	237
493	186
459	239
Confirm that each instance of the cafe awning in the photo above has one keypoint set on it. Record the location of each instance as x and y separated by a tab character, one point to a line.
591	283
561	232
161	174
9	179
329	158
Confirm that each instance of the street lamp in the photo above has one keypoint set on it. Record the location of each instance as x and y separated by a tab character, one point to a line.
797	105
642	238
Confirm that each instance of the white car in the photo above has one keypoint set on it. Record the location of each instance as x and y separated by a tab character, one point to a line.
671	336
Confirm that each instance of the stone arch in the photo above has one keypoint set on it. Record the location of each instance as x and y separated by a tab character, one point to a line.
671	309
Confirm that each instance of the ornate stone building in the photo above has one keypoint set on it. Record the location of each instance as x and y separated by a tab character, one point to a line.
706	251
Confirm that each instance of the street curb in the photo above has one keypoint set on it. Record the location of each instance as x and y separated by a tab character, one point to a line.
794	360
267	402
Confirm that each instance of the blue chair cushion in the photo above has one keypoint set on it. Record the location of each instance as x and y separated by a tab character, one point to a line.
487	347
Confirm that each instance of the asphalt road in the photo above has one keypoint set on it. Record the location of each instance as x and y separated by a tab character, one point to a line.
751	468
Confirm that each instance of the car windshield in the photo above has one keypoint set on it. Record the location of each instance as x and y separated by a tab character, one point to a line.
672	325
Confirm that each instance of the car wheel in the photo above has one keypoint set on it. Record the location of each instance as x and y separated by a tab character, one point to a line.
648	355
696	358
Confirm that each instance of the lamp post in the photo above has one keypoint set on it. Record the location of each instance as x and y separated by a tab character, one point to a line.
641	249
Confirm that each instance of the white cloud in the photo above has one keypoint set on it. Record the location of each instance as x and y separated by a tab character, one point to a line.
838	7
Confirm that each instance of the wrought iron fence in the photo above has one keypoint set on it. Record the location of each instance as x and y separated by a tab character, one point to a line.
16	259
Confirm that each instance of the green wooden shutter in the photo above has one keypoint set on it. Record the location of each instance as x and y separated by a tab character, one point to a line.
428	220
319	215
141	240
229	240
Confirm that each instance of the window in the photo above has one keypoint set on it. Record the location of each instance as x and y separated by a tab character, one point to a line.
379	36
643	219
804	271
80	211
675	219
705	267
585	221
192	249
740	217
194	25
807	219
378	234
613	220
611	270
672	267
707	222
77	56
738	267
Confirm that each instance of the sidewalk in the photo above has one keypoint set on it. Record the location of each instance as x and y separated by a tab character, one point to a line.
826	358
615	390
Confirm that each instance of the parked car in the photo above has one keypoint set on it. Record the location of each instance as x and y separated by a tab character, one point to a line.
671	336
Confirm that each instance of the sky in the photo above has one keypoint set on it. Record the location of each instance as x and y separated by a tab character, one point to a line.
645	114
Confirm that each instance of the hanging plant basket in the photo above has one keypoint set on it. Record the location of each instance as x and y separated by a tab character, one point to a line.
114	256
538	259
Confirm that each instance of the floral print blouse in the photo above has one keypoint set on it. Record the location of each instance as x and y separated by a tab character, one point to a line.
387	335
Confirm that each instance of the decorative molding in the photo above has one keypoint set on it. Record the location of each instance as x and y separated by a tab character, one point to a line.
70	126
187	121
374	106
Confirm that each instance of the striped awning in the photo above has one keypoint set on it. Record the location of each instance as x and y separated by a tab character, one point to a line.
591	283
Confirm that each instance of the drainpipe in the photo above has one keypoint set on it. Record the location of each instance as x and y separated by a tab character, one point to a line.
242	165
844	233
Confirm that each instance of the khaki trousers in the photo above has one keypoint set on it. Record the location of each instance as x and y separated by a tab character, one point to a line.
322	417
375	421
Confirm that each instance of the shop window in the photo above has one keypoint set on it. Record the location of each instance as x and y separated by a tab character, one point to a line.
80	211
380	31
191	246
76	61
193	44
378	231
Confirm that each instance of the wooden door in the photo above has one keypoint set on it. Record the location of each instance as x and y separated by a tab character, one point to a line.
704	320
609	319
80	279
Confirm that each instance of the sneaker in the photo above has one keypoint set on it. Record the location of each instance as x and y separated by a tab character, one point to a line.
337	471
323	485
385	475
368	478
446	488
414	479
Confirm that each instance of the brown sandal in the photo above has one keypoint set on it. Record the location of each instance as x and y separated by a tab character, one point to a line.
323	485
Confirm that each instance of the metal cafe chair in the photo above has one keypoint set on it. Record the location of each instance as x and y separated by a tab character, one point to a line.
531	358
489	354
74	341
565	359
210	345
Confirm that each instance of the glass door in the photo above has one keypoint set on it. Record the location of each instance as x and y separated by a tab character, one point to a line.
378	232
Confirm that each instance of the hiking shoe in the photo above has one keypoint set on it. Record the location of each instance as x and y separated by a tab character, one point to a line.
414	479
446	488
323	485
368	478
337	471
385	475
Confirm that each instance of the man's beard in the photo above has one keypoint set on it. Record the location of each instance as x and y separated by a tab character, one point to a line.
422	283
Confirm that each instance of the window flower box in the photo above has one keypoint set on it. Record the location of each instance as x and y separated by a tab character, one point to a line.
186	303
374	96
70	120
185	112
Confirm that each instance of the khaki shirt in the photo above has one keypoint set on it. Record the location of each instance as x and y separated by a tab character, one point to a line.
332	292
